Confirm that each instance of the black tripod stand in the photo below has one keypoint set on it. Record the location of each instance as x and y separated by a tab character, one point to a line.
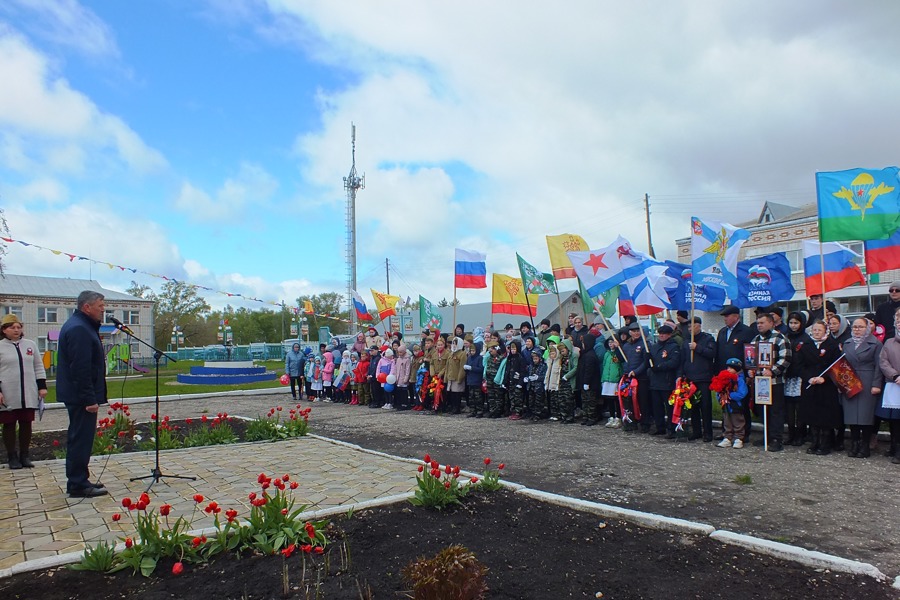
156	473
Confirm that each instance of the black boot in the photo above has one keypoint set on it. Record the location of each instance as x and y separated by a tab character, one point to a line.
26	460
854	450
14	462
814	446
826	442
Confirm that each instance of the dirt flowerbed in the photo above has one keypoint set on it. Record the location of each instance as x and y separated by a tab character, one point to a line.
532	550
47	445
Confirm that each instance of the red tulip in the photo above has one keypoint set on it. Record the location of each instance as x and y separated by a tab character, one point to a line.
198	498
126	502
116	517
165	509
487	461
145	498
285	478
294	485
319	550
447	484
178	568
500	466
421	468
196	542
129	542
474	480
428	458
251	496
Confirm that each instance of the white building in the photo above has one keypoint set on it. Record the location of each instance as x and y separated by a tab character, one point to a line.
44	303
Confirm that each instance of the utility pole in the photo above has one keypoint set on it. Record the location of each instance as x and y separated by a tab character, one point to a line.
649	236
387	274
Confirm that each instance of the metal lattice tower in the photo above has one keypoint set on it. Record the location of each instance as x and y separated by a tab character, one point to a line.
352	183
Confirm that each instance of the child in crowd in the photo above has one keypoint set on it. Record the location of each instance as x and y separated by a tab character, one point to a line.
514	380
474	369
316	382
401	370
609	381
537	397
385	365
732	391
328	376
360	380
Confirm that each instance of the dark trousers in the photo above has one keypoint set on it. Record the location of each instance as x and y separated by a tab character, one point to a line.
644	403
296	384
662	412
796	429
701	413
79	444
775	418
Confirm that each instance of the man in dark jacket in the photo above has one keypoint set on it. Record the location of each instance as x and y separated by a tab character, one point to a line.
697	366
81	386
884	314
780	359
665	362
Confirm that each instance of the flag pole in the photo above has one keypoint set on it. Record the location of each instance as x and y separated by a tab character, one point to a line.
822	266
868	289
528	304
454	304
643	337
692	313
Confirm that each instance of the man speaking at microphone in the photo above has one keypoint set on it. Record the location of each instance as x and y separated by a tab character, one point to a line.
81	386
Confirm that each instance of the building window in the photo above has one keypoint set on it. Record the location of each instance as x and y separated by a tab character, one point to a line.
131	317
42	344
13	310
107	318
47	314
135	349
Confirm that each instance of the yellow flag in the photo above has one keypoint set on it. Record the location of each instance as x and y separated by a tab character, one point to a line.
558	245
385	304
307	307
508	297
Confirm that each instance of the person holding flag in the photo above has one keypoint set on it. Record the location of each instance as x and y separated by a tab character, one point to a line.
819	407
698	367
863	353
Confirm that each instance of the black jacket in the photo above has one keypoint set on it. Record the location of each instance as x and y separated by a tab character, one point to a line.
734	346
81	362
702	368
666	362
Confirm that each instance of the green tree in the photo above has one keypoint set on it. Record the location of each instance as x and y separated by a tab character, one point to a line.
178	303
442	303
332	304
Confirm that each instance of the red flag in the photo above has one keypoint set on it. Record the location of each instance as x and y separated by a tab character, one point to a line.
843	376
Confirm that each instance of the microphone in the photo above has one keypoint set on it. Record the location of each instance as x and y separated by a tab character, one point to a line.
120	325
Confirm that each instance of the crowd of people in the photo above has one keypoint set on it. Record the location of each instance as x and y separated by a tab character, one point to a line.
665	386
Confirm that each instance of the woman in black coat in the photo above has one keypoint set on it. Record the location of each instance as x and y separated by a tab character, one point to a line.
793	384
819	406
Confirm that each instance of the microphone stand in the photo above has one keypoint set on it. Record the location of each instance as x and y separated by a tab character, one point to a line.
156	473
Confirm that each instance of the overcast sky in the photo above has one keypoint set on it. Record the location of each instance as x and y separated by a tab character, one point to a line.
207	141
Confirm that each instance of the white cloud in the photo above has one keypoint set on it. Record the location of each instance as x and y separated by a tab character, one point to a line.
57	125
68	24
244	196
46	190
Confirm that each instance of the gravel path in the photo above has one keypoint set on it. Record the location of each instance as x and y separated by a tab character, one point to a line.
835	504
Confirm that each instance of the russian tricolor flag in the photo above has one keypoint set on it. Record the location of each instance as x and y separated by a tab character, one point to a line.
471	269
359	305
840	269
883	255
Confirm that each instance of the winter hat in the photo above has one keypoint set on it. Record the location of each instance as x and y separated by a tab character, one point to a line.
354	355
388	353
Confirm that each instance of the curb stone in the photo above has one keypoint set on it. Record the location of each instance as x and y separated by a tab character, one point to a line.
649	520
811	558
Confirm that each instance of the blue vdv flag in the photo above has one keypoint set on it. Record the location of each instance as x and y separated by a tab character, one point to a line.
763	280
706	298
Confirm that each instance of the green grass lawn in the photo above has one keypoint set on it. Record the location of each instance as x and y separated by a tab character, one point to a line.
138	385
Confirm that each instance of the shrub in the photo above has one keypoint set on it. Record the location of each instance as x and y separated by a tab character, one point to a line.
453	574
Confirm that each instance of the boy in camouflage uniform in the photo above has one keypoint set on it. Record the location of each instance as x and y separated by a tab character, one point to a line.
565	397
474	368
537	398
495	393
